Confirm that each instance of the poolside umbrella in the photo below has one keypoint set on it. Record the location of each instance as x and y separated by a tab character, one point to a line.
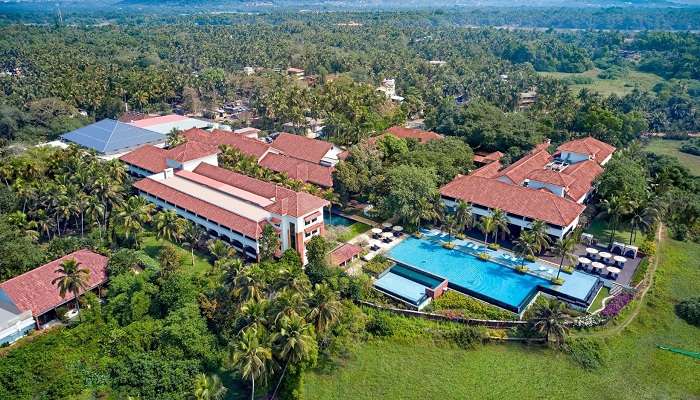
620	260
376	231
386	225
604	255
591	251
388	235
398	228
613	270
597	266
584	261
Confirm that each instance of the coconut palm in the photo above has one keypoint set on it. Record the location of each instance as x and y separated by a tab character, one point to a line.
135	212
294	342
169	225
208	387
192	235
564	248
220	250
450	226
525	246
614	207
464	216
500	222
551	320
246	288
254	314
71	279
487	226
94	211
539	235
324	308
251	357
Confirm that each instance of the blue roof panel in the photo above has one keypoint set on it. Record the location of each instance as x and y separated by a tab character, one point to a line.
109	136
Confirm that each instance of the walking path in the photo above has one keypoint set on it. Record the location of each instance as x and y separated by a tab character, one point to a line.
637	307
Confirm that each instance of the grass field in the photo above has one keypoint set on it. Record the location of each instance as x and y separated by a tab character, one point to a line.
635	368
152	246
671	148
620	86
600	229
353	230
598	302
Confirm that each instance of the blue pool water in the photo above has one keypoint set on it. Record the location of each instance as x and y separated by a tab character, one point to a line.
337	220
488	280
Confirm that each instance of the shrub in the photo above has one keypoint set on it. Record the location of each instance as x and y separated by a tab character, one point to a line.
557	281
689	310
530	258
648	247
522	269
640	272
460	236
569	269
484	256
380	325
469	307
377	265
588	353
468	337
494	246
614	306
448	246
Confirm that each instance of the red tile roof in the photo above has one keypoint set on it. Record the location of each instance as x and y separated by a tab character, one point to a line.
147	157
191	150
546	175
287	202
515	199
302	147
344	253
146	122
251	147
34	291
583	175
409	133
235	222
489	170
593	147
487	158
519	170
301	170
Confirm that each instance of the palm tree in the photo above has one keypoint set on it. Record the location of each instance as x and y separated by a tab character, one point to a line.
246	288
500	222
551	320
220	250
191	237
614	207
464	216
524	246
564	248
251	357
487	225
450	226
169	225
294	343
71	279
254	314
324	307
174	138
133	214
208	387
539	235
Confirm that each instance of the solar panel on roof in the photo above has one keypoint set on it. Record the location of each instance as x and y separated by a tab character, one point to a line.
109	136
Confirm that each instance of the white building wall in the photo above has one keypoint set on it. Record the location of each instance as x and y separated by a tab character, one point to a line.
17	330
558	190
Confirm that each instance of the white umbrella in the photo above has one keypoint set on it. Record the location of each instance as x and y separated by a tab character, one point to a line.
386	225
613	270
620	260
376	231
605	254
597	265
591	250
584	260
398	228
388	235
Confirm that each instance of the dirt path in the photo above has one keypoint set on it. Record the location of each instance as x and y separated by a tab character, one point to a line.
640	301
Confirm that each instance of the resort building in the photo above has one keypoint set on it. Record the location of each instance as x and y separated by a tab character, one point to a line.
234	207
303	159
30	300
110	138
540	186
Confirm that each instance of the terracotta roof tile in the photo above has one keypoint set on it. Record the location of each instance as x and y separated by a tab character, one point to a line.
191	150
546	175
34	291
515	199
302	147
301	170
583	175
150	158
593	147
519	170
344	253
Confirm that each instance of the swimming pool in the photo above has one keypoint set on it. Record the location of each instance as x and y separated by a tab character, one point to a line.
487	280
337	220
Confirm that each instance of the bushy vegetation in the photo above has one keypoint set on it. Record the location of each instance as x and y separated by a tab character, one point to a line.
689	310
691	147
455	303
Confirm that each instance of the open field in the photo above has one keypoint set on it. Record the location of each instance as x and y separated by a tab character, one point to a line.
635	368
620	86
671	148
152	246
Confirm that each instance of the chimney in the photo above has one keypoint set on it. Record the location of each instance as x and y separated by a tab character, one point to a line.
168	173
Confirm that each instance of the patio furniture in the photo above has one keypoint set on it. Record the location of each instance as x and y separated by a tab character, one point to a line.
630	251
605	256
376	232
397	230
591	253
597	267
387	226
387	237
614	271
587	238
584	262
620	261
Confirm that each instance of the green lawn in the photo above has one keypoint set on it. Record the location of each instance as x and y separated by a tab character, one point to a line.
598	302
620	86
353	230
671	148
635	369
152	245
600	229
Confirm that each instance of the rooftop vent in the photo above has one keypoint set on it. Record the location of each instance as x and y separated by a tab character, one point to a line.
557	165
